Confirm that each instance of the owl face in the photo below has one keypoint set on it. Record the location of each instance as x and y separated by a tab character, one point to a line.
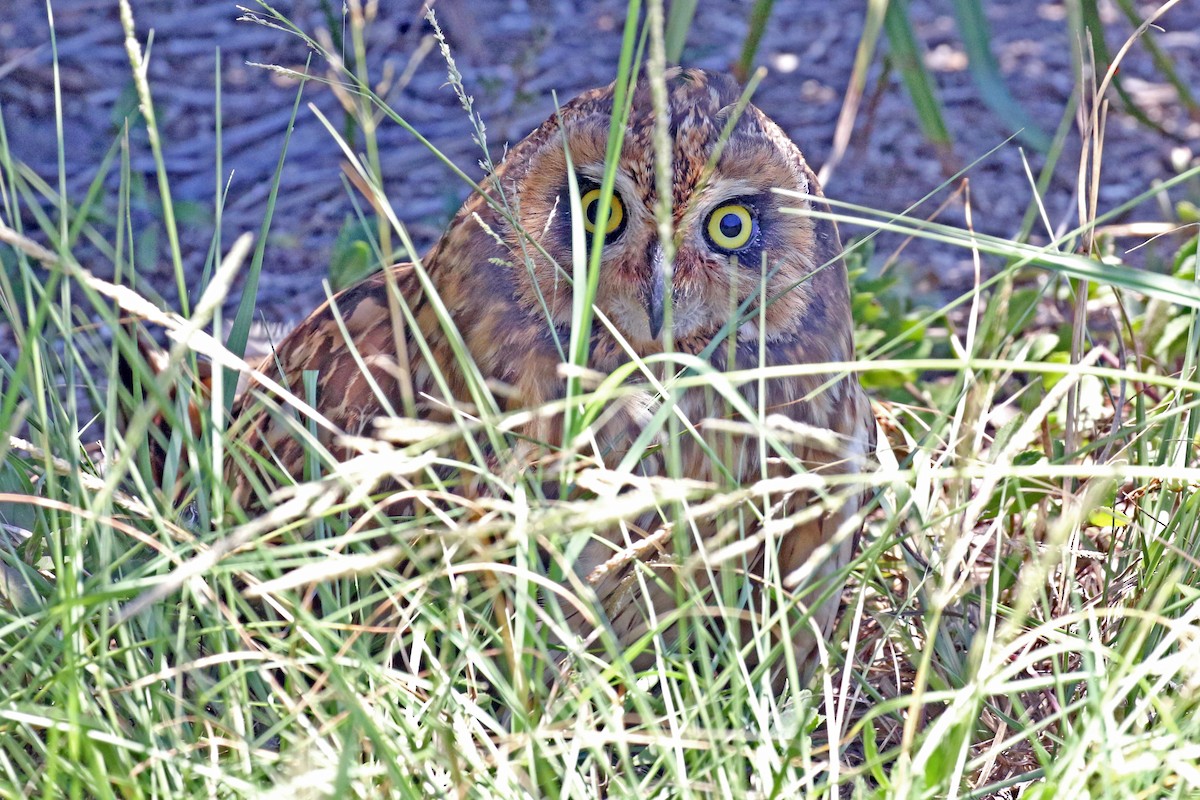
733	238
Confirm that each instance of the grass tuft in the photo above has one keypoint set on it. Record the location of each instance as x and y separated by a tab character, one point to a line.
1021	615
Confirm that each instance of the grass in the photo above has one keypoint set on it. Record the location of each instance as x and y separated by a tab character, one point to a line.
1022	615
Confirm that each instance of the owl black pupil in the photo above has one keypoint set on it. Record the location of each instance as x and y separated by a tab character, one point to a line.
731	225
592	209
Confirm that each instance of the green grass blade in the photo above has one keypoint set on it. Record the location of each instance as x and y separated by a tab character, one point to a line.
976	34
140	67
679	22
907	58
760	15
239	332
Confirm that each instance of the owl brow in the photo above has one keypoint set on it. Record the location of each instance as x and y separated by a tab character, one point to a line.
733	114
728	190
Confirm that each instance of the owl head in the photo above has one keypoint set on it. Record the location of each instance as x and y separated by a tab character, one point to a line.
736	240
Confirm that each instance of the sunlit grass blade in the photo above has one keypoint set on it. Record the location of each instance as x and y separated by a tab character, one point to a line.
1090	13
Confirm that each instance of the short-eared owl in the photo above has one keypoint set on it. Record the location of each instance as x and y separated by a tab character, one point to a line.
754	283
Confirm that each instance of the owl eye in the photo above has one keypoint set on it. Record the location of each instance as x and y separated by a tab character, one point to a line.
731	227
590	203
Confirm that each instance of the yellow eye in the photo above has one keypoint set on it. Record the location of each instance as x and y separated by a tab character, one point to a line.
590	203
731	227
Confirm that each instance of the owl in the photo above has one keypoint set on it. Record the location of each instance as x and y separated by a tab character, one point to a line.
754	282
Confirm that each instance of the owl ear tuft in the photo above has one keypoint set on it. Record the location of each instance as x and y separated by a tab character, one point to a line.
724	113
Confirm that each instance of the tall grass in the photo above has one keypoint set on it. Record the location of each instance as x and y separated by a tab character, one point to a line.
1022	614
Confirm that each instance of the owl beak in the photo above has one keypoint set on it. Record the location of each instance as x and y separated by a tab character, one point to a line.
655	297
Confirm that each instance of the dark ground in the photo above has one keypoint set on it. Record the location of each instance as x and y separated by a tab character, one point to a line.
513	55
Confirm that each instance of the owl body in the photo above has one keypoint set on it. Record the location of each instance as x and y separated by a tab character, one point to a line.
501	293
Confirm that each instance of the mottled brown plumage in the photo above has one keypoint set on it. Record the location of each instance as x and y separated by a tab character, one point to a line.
512	306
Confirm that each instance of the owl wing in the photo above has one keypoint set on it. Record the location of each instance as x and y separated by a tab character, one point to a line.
842	407
814	553
362	352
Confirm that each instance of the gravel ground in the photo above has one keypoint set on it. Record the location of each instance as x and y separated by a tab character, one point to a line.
514	55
